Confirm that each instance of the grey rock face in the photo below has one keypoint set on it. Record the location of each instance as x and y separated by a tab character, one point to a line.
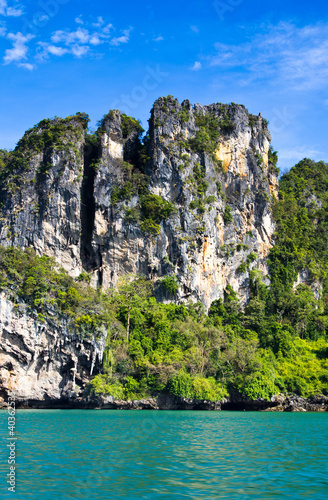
41	202
41	360
210	162
198	243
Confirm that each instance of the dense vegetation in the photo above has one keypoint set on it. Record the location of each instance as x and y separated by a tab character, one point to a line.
301	248
45	288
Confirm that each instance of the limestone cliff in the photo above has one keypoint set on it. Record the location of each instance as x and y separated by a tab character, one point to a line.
41	361
40	192
85	205
212	163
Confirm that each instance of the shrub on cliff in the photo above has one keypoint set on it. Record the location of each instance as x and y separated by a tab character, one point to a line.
227	216
170	284
154	209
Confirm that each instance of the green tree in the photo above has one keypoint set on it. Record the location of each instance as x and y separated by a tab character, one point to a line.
132	294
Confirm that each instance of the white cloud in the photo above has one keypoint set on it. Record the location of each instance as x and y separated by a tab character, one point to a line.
19	50
99	23
56	51
122	39
10	11
78	42
195	29
158	39
3	6
81	35
95	40
47	49
28	66
299	153
58	36
79	51
296	57
197	66
107	29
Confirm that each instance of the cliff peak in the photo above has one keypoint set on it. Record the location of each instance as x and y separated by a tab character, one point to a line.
189	202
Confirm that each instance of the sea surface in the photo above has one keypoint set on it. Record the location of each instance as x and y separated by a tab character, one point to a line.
108	454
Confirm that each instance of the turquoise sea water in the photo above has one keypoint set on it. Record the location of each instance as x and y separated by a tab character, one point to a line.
167	455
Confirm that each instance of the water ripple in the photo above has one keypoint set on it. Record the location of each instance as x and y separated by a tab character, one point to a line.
168	455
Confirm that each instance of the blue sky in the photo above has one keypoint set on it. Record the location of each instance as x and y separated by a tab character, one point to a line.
62	56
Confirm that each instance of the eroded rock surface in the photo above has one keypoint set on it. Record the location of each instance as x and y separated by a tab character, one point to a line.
41	361
41	193
83	207
198	243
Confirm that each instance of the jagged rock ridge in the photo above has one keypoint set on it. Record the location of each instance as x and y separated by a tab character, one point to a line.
84	202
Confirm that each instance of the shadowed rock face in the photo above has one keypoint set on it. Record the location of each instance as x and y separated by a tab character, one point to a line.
211	162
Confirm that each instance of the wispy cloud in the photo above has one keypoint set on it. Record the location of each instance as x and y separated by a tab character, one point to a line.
12	12
78	39
300	152
107	29
195	29
78	42
158	39
197	66
81	35
80	50
100	22
28	66
121	39
46	49
19	50
96	39
9	11
298	57
56	51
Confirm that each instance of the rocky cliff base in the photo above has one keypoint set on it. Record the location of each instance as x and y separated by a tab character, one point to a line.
41	362
280	403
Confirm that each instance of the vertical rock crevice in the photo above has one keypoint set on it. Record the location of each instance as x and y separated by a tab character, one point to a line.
90	259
